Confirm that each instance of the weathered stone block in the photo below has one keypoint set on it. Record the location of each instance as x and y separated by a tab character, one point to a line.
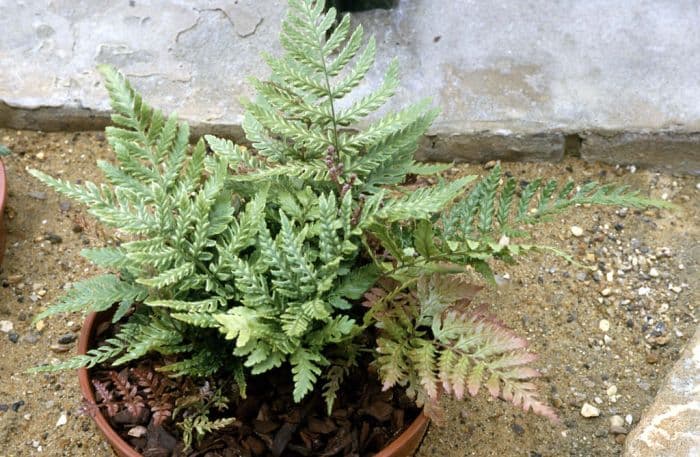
670	427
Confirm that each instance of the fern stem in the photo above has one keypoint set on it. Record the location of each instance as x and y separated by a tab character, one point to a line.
319	43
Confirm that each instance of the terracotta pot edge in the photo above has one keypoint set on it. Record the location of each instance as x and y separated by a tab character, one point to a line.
121	447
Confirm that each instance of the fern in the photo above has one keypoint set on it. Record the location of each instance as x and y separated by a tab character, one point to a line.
237	261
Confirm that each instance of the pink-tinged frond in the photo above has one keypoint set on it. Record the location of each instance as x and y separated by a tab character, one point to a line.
521	373
435	412
445	368
430	386
507	392
475	379
525	395
372	296
423	357
458	387
513	359
493	385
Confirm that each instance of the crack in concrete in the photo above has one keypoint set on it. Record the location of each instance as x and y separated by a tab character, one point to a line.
192	27
241	34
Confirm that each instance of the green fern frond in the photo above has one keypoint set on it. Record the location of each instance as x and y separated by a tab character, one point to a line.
306	367
423	202
95	294
492	207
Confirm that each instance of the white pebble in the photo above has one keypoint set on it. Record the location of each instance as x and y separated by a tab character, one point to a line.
6	326
137	431
654	273
576	230
609	276
628	419
598	400
604	325
644	291
617	421
589	410
612	390
606	292
62	420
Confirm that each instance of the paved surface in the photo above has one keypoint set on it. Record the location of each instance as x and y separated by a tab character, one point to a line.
671	425
513	78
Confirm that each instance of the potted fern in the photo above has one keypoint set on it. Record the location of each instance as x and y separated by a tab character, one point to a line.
297	264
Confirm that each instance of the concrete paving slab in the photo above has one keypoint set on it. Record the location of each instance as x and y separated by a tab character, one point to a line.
670	427
514	79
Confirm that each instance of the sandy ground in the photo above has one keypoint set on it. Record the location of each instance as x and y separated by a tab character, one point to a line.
643	292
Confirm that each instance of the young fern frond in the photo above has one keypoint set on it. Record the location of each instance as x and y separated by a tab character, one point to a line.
297	119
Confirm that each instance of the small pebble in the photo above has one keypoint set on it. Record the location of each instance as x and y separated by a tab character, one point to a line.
15	279
6	326
643	291
138	431
37	195
576	231
604	325
653	272
60	348
490	164
517	429
13	337
40	325
617	421
589	410
31	338
68	338
17	405
606	292
53	238
41	156
612	390
62	420
618	430
628	419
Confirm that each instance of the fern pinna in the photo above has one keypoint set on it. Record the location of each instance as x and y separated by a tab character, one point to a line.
239	260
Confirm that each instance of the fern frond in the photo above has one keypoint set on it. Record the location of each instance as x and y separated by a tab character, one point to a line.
423	202
95	294
306	367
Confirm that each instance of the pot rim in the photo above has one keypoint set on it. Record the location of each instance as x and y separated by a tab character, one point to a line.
403	445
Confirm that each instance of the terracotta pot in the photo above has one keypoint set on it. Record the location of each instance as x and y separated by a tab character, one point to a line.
3	194
404	446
